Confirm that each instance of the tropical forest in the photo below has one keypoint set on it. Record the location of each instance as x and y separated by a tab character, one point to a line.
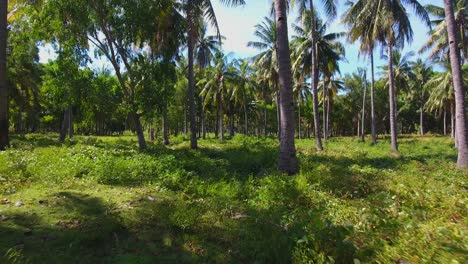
233	131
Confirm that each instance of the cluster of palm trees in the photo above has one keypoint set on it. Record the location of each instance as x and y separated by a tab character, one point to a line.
294	73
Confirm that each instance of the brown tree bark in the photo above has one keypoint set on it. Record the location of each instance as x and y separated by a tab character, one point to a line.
391	94
372	97
4	126
363	118
460	104
315	75
65	124
139	130
287	158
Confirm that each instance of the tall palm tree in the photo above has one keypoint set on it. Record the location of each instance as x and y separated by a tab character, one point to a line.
330	9
242	74
327	45
364	30
460	104
392	28
266	61
422	73
287	157
205	48
196	9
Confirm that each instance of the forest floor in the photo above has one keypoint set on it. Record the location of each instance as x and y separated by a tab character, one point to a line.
100	200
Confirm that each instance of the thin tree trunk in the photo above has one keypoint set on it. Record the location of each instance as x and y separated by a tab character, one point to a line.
70	122
191	78
327	123
287	157
4	126
265	124
393	106
324	112
65	124
246	128
185	121
165	127
315	79
299	119
203	121
452	120
278	113
445	120
372	95
421	118
363	118
221	121
139	130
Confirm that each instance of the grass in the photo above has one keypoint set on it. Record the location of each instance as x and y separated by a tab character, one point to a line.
99	200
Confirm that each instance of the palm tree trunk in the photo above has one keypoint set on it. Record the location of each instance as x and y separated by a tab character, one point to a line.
299	119
372	95
70	122
460	104
139	130
287	157
363	118
246	116
191	78
327	123
65	124
278	113
165	127
221	120
452	120
324	112
421	118
445	119
391	91
4	137
461	127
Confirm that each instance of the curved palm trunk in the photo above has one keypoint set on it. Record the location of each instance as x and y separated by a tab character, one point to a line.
372	95
315	79
460	104
391	91
363	118
287	157
191	88
4	137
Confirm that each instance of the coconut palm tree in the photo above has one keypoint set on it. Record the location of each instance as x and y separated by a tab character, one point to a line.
437	43
287	157
422	72
242	76
460	104
266	61
195	10
392	28
327	44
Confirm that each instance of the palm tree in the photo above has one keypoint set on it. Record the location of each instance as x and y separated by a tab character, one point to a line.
205	48
422	73
242	74
266	61
364	30
460	104
327	45
438	41
4	127
196	9
391	27
331	12
287	157
214	88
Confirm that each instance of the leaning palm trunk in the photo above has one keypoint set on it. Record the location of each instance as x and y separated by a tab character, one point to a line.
4	137
460	104
391	91
287	157
372	97
315	79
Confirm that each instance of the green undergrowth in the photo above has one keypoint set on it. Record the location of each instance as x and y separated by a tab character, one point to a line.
100	200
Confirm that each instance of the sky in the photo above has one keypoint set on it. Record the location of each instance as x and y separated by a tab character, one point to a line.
238	26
